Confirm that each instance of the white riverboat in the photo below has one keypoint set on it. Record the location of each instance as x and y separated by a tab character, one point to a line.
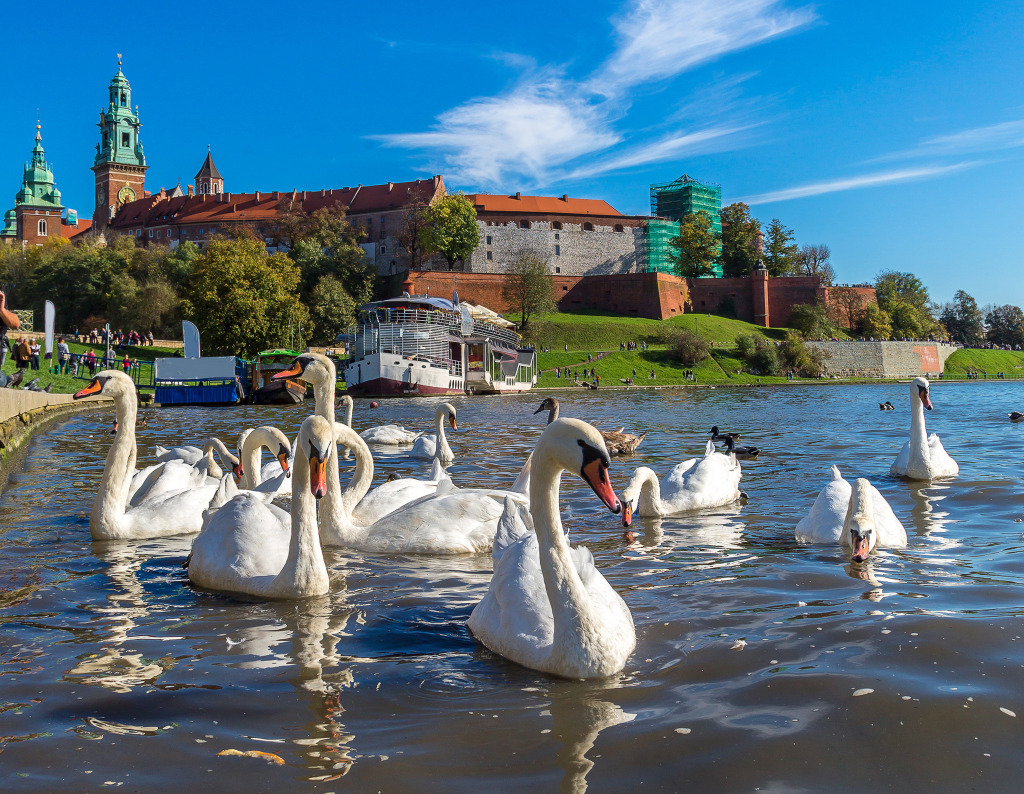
419	345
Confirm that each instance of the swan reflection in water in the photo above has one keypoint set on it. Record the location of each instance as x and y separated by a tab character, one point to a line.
719	529
115	666
578	714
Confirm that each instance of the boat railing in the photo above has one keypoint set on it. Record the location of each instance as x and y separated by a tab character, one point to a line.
503	336
384	316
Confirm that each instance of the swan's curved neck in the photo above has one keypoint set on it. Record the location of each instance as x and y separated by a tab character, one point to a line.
254	443
348	411
335	518
571	608
647	488
442	440
918	433
323	396
304	570
112	495
553	413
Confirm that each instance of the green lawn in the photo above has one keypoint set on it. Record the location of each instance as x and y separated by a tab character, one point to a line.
67	384
991	361
594	331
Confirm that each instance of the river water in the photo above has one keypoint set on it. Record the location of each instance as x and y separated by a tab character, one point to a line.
760	664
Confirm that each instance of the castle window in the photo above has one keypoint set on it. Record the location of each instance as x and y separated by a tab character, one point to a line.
618	227
383	249
150	232
489	255
42	228
157	234
558	250
126	139
558	270
524	224
488	239
556	225
557	236
588	227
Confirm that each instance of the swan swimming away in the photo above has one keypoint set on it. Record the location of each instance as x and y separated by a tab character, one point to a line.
711	481
922	457
857	517
548	607
112	518
257	549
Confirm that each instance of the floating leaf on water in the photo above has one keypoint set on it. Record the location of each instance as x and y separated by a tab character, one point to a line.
739	645
270	757
1007	712
682	730
864	691
121	729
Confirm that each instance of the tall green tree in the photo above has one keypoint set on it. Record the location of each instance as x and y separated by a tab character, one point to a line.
243	298
528	286
324	243
811	321
963	319
451	229
780	252
904	298
695	249
739	240
331	309
1005	325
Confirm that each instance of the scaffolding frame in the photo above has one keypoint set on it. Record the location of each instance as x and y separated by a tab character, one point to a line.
681	197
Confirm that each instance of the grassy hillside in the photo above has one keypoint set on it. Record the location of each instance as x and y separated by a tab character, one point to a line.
66	384
593	331
991	361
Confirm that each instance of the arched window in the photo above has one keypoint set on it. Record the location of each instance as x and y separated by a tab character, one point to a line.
556	225
618	227
588	227
123	100
42	228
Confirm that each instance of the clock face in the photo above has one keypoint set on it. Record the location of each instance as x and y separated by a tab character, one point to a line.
125	194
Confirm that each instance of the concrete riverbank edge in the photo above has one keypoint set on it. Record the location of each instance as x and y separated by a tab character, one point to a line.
24	413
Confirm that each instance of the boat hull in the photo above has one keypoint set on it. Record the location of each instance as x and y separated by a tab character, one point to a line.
395	376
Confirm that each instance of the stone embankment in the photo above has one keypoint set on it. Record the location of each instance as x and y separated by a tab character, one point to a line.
24	412
851	359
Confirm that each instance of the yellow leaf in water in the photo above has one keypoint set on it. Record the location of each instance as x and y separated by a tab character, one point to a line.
274	759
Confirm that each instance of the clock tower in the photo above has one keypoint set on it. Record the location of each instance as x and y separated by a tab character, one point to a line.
120	165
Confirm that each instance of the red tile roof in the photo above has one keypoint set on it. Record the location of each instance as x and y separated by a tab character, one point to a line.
242	207
541	205
69	232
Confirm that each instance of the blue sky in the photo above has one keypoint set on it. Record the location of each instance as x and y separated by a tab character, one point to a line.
893	132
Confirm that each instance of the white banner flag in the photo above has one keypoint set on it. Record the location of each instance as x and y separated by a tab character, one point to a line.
190	335
49	315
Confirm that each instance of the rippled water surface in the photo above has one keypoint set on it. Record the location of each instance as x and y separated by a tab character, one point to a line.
906	675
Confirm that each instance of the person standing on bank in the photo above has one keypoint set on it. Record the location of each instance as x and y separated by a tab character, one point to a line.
33	349
22	353
8	322
63	355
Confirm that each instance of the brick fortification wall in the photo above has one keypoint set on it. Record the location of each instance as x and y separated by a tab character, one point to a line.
884	359
656	296
652	295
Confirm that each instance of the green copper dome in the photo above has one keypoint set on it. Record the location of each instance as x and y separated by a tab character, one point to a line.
119	126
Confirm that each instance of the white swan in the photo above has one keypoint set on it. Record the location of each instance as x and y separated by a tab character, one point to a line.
250	547
436	445
548	607
111	518
449	521
833	518
279	446
391	435
711	481
922	457
390	496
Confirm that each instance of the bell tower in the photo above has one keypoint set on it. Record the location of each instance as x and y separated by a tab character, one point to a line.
120	165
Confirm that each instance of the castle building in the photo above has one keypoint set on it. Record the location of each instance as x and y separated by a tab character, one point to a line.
208	180
37	211
119	165
573	236
677	199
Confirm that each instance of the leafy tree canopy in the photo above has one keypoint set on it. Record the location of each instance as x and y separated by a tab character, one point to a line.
904	297
963	319
739	240
527	287
1005	325
451	229
780	252
242	298
696	247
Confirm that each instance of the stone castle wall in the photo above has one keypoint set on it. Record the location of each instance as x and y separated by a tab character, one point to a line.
884	359
571	250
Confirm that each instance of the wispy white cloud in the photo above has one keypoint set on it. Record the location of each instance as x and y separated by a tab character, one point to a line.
668	148
990	138
549	127
853	183
663	38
